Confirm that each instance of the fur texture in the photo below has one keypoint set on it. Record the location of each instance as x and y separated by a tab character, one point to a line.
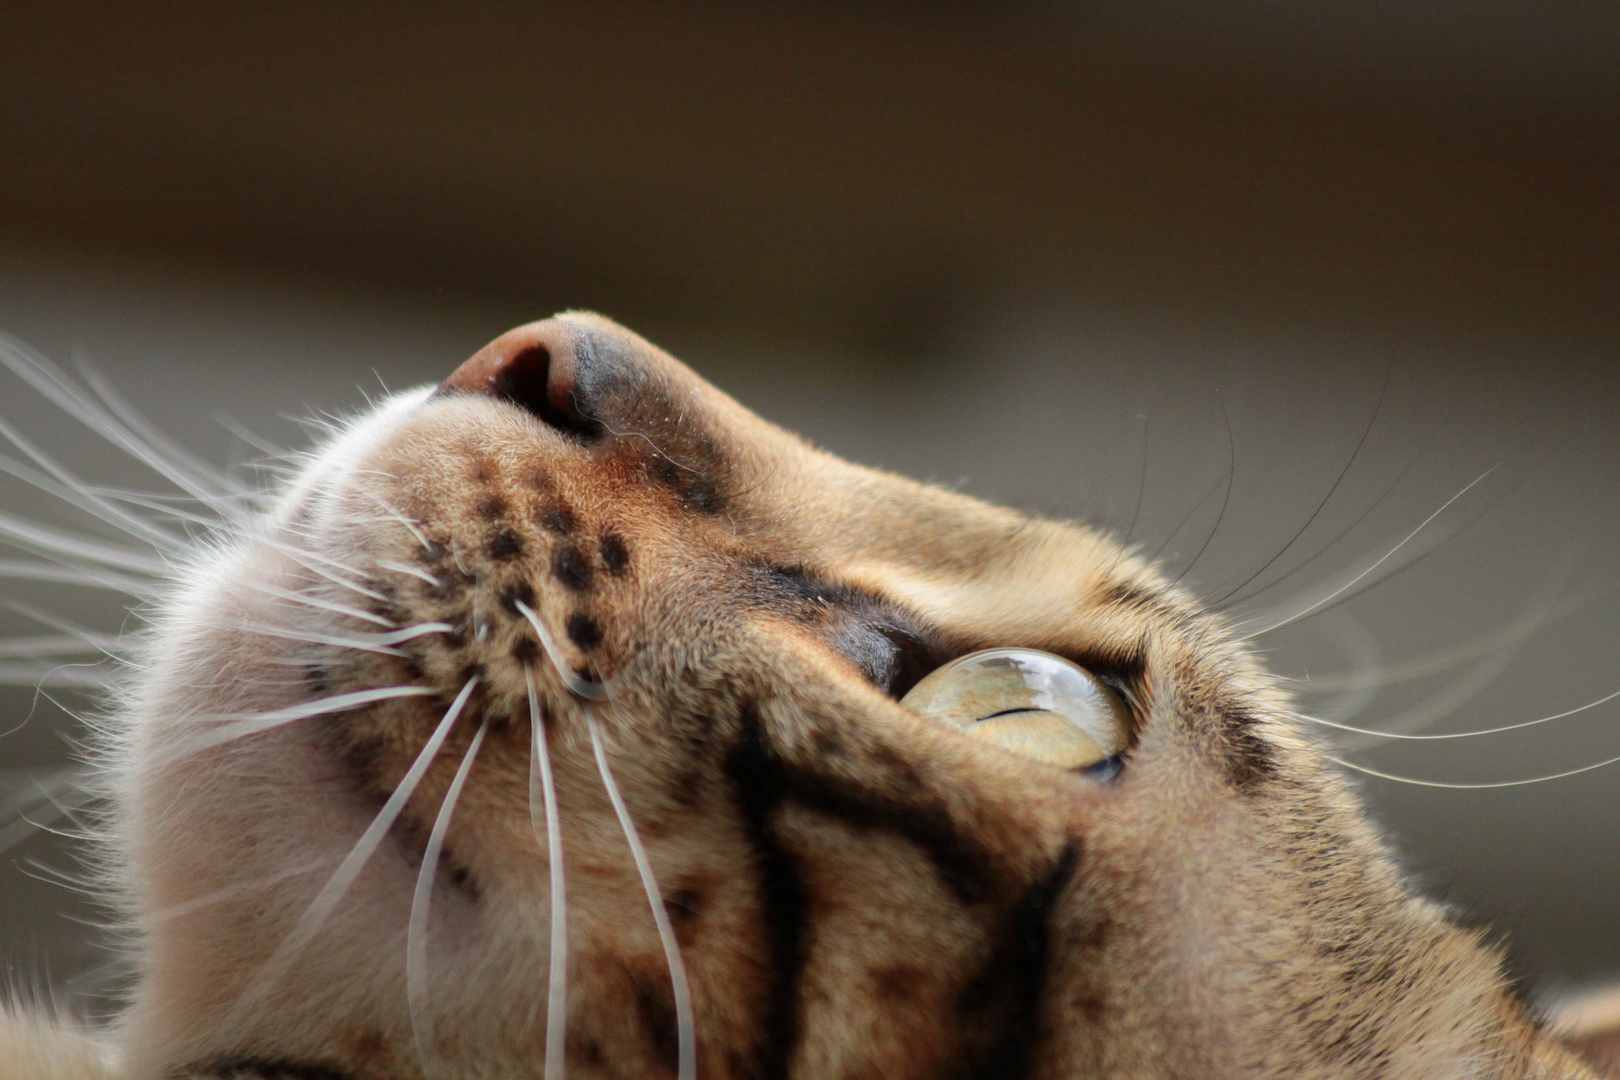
333	803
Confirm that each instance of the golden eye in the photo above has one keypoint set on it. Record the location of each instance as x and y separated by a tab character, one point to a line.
1029	702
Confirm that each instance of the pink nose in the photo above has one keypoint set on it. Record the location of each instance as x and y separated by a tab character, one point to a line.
536	368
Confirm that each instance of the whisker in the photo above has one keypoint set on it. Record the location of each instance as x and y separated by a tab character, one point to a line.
1378	407
1262	626
231	728
375	643
60	677
53	384
33	648
65	574
686	1029
1512	633
557	984
70	489
1416	782
337	886
308	561
59	792
161	505
585	688
324	605
1226	497
306	558
400	518
1429	737
189	469
407	568
416	930
251	437
52	543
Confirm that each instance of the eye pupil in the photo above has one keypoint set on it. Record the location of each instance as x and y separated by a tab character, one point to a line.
1030	703
1007	712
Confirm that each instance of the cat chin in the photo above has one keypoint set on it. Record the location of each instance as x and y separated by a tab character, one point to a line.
344	450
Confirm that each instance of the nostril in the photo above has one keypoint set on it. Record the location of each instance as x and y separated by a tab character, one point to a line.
534	368
525	380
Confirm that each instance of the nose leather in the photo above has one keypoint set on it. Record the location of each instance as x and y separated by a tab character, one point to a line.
535	367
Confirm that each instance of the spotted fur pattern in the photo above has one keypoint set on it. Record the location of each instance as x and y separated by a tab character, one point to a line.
855	891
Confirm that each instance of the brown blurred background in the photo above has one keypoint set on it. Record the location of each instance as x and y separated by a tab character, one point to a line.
1259	285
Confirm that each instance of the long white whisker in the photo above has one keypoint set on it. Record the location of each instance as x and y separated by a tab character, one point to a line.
66	574
557	979
77	493
1262	626
231	728
324	605
1455	734
416	931
407	568
58	677
33	648
685	1027
50	382
307	559
376	643
92	500
54	543
48	791
335	578
166	507
400	518
332	893
251	437
590	691
180	466
1474	786
1519	630
101	642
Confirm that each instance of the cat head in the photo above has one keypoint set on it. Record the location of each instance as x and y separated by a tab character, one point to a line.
558	709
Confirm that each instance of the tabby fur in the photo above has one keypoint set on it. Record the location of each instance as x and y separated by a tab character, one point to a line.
856	892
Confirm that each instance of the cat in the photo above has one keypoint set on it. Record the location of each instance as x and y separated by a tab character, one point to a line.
568	717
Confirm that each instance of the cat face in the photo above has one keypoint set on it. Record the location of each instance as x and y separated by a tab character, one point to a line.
574	652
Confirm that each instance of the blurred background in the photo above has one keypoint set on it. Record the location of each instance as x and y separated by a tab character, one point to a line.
1317	302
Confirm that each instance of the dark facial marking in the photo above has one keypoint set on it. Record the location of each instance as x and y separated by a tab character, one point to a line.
695	489
559	519
890	645
1002	1005
962	865
584	631
432	553
1128	594
504	546
521	593
615	553
656	1010
755	773
1250	759
492	508
571	568
685	908
262	1069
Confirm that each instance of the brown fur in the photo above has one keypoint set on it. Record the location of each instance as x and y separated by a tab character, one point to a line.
857	892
